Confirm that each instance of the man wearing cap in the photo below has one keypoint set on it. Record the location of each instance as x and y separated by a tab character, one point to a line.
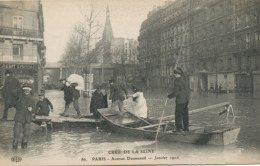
11	84
25	108
116	95
43	106
67	96
181	91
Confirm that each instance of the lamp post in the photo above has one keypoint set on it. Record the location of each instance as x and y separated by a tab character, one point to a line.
147	73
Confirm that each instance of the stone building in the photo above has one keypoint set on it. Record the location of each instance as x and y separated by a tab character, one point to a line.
115	58
22	48
216	43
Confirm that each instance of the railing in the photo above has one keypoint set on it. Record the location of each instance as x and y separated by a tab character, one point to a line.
9	31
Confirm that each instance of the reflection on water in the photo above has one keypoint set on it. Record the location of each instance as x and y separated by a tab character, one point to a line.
72	144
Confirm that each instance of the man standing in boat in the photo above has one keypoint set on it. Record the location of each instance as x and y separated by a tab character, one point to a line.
116	95
181	91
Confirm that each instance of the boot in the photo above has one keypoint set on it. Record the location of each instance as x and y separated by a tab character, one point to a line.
64	114
24	145
14	148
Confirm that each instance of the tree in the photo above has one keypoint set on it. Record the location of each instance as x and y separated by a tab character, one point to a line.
89	29
77	55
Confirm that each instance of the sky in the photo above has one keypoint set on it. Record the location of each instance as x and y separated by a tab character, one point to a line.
60	17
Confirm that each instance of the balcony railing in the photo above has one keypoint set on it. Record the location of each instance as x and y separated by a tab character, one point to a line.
9	31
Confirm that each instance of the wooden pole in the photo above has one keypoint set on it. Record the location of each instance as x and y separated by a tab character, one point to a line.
158	129
202	109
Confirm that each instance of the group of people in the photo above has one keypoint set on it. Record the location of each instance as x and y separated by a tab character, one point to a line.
118	94
181	91
21	98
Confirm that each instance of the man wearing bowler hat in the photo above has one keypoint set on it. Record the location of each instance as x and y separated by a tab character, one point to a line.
181	92
11	84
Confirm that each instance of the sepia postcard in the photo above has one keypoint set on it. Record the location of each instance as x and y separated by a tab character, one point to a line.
129	82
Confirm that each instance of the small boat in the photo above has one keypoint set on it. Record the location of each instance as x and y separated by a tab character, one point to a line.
128	124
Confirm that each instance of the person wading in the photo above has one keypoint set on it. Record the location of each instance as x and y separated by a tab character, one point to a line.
25	108
181	92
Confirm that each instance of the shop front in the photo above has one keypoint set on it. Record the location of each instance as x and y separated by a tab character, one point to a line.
25	73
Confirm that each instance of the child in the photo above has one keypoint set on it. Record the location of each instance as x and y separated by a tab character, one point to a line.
42	106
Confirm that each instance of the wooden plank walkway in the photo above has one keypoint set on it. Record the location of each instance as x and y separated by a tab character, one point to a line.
60	121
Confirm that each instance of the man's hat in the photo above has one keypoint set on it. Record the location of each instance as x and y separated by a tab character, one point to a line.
27	86
112	80
178	71
41	94
135	88
62	79
8	71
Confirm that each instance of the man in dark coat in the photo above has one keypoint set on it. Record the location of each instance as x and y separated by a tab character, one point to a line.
71	94
181	91
67	96
25	108
98	100
75	98
116	95
11	84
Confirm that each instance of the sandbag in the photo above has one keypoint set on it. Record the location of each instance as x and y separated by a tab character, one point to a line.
75	78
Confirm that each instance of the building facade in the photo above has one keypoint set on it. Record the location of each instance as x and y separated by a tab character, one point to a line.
215	42
116	58
22	48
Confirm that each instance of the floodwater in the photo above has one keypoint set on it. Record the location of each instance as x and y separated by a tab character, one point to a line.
98	146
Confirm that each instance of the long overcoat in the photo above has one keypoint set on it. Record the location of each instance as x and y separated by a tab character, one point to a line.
181	90
10	86
116	92
22	114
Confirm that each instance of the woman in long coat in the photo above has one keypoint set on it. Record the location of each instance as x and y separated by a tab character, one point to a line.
98	100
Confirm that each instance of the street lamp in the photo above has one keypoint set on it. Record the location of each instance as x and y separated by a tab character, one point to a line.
147	73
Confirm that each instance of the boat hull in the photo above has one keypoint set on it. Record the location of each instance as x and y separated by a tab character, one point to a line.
196	135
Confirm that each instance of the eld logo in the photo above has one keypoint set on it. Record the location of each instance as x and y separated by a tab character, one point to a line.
16	159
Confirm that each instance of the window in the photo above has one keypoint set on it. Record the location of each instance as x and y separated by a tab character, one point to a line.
229	64
238	20
221	26
257	41
221	65
256	16
17	25
17	22
247	40
212	28
247	17
213	13
17	51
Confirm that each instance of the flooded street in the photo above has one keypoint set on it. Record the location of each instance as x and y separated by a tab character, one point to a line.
85	145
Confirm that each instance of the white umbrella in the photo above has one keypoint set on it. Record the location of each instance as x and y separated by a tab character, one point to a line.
75	78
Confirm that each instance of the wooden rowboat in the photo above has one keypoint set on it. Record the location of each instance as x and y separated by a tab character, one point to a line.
128	124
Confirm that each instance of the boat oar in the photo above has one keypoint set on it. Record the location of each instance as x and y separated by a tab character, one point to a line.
161	120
